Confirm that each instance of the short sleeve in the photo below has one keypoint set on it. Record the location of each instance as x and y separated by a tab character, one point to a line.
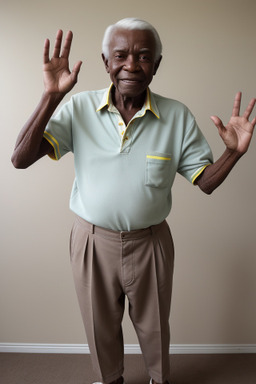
59	131
196	153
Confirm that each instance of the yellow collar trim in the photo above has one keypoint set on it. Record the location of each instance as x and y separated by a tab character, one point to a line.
107	102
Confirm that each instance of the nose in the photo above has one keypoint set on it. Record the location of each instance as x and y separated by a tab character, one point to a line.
131	63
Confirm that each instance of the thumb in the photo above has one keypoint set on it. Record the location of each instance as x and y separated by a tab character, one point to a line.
75	70
77	66
218	123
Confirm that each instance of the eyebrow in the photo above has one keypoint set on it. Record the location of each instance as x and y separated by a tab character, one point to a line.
142	50
145	50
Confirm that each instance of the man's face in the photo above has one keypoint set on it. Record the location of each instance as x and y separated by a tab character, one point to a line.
131	63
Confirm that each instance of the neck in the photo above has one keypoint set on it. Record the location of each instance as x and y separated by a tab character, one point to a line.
128	106
128	102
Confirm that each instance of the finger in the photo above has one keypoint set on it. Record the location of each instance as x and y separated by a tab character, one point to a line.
58	41
253	122
67	45
77	67
217	121
237	104
76	70
249	109
46	51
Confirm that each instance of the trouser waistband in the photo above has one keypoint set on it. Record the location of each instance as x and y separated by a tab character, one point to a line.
119	235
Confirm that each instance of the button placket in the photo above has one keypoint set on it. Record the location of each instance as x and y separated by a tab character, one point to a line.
127	138
121	127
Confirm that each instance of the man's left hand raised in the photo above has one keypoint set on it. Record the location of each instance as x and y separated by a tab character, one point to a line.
238	132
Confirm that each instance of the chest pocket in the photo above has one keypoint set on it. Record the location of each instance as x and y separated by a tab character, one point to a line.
158	168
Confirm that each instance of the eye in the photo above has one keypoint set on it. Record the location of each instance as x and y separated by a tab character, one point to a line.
145	58
119	56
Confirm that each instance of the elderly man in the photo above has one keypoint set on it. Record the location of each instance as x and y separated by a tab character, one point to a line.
128	143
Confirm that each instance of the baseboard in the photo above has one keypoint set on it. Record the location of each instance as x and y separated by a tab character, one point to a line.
128	348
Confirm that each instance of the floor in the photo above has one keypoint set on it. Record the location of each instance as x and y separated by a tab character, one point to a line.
29	368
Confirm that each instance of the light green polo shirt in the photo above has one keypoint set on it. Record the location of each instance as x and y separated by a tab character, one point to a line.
124	174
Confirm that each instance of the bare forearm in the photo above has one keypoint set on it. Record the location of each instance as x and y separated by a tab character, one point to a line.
216	173
29	145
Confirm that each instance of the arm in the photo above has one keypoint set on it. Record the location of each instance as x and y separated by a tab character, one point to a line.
236	136
58	81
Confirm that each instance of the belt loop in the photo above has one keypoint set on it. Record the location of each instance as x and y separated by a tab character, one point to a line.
92	228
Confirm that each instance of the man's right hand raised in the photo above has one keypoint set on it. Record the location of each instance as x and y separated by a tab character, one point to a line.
58	81
56	73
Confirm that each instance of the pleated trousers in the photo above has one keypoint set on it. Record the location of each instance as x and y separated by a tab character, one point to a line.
109	266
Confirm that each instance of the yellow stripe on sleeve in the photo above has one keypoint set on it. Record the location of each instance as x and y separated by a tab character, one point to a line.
54	143
198	173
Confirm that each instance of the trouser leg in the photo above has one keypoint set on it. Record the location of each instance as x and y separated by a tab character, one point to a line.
96	271
105	268
149	297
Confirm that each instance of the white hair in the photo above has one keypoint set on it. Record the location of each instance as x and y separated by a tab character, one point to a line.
130	23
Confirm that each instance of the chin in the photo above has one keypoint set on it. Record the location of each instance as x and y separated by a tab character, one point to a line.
132	92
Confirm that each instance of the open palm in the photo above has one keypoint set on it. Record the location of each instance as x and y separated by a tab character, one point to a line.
238	132
57	76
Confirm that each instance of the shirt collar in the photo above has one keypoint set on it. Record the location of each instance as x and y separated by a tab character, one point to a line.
149	104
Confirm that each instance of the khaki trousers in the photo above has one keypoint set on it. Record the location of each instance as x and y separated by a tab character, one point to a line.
109	265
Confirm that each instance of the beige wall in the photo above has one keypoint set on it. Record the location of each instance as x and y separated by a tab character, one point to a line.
209	54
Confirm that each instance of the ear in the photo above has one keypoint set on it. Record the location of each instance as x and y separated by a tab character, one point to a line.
105	62
157	63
